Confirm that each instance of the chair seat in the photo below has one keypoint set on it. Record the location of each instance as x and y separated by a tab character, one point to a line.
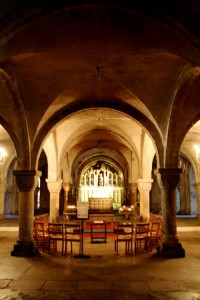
73	237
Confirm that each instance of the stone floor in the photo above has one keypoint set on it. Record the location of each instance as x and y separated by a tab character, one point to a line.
103	275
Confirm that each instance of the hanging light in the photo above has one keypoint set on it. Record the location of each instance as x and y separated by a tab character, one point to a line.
197	151
2	156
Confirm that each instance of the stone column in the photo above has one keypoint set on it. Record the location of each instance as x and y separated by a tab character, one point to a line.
54	188
3	187
144	187
133	200
168	179
197	189
26	181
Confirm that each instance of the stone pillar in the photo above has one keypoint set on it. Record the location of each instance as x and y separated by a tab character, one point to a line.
54	188
3	187
144	187
170	247
26	181
197	189
133	200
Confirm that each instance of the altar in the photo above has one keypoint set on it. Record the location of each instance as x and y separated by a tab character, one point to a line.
100	204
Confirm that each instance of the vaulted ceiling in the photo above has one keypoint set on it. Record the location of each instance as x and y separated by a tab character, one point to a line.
60	56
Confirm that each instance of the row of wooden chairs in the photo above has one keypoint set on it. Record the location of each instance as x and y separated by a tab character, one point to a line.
145	236
48	237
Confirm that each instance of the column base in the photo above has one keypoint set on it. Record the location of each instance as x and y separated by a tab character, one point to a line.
25	249
171	250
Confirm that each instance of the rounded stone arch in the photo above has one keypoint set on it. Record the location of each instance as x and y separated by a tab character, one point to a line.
17	145
121	139
101	176
185	113
116	105
191	159
120	162
19	136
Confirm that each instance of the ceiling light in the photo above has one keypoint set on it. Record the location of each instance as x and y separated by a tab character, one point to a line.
197	151
2	156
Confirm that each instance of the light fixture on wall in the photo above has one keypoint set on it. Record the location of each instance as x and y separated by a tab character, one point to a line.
2	156
197	151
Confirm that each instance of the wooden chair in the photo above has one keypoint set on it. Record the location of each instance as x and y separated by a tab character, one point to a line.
153	235
72	234
40	235
141	237
125	235
56	234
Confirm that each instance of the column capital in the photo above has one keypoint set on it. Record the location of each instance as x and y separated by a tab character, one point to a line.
168	177
54	186
145	184
26	179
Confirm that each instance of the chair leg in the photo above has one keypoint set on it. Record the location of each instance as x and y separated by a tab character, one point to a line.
62	248
65	248
71	247
131	247
136	247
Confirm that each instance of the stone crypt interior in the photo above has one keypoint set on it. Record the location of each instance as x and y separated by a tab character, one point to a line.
100	105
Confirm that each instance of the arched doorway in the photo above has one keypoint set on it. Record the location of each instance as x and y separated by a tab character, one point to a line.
102	178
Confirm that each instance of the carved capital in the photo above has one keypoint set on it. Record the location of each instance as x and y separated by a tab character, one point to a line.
54	186
168	178
145	184
26	179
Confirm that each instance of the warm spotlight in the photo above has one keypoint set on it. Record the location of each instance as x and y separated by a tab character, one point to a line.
2	156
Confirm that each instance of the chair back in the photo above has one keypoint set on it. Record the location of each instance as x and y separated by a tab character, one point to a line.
125	231
55	230
141	237
40	234
142	229
56	234
154	228
72	231
39	228
154	234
